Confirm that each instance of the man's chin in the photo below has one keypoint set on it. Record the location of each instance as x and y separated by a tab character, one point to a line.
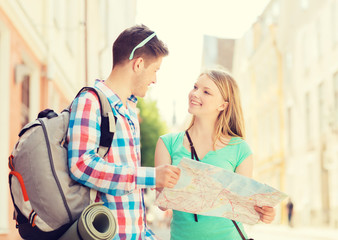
142	95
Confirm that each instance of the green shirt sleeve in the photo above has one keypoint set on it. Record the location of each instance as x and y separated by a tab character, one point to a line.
167	140
243	153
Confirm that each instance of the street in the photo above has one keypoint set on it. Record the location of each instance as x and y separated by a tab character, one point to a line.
275	232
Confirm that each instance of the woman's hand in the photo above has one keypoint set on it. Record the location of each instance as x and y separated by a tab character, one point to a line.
266	214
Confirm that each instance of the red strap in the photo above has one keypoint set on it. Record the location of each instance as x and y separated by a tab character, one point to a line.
22	184
10	162
33	223
32	217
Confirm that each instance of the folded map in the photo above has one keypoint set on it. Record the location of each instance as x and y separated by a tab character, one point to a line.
213	191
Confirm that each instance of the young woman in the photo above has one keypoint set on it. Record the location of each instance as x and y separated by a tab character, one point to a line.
217	133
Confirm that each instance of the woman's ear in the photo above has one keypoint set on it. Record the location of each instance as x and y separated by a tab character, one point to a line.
138	64
223	106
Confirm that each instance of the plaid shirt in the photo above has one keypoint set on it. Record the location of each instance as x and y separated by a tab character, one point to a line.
118	177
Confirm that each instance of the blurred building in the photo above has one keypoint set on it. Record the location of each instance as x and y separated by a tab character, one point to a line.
287	68
49	49
217	52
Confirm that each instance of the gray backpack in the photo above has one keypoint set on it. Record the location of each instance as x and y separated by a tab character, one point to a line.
46	200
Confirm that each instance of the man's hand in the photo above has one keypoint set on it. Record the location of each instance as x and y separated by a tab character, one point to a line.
266	214
167	176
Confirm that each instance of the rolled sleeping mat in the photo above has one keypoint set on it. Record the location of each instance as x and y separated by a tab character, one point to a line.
95	223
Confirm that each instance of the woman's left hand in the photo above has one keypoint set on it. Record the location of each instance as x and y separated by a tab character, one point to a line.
266	214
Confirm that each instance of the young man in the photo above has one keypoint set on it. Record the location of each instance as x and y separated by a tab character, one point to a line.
118	177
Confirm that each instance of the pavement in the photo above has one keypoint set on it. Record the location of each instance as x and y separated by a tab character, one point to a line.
282	232
274	232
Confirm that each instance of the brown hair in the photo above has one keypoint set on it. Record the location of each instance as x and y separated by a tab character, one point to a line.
130	38
229	121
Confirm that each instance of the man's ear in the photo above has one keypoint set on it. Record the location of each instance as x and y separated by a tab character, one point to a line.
138	64
223	106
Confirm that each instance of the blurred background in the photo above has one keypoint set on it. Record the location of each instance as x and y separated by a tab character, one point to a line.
283	54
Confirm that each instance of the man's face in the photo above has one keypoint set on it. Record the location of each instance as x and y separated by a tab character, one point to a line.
146	77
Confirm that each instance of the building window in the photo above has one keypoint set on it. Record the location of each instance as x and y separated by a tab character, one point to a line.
288	63
304	4
306	50
210	51
289	129
335	87
249	42
319	39
25	101
72	28
104	17
58	14
307	117
276	9
334	24
321	107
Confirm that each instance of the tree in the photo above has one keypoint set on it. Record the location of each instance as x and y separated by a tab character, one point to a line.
152	126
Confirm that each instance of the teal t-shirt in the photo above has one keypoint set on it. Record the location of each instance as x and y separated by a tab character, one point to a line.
183	225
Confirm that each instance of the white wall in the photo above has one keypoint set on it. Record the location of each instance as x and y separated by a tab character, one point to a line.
4	124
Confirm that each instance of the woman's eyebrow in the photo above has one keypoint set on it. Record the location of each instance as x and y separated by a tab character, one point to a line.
207	88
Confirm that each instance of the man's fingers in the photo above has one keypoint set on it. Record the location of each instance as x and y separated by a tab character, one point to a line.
175	170
167	176
173	181
170	185
267	214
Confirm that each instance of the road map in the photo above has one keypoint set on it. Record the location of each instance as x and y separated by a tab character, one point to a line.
213	191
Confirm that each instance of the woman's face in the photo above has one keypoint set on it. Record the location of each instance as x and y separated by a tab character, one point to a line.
205	98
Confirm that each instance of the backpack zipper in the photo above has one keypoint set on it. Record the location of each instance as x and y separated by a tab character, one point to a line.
53	170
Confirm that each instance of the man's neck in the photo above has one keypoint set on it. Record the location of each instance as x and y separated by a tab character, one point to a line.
119	82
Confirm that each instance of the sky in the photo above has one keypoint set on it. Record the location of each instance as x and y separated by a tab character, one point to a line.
181	24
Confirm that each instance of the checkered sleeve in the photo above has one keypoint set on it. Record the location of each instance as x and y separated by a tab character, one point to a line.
86	166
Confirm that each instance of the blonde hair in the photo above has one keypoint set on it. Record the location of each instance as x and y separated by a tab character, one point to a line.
229	121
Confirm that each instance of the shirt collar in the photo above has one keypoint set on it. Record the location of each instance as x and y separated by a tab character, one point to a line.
114	99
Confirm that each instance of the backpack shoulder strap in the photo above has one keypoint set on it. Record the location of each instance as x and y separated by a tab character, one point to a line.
108	121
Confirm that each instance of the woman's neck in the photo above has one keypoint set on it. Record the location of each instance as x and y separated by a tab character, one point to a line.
202	129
